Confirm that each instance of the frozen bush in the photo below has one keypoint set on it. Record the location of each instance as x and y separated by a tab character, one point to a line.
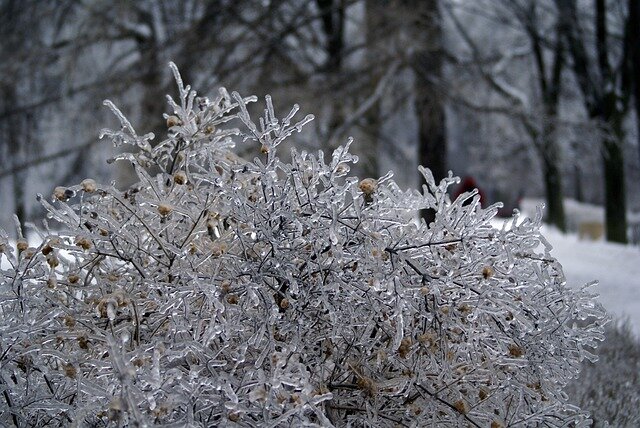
610	387
225	292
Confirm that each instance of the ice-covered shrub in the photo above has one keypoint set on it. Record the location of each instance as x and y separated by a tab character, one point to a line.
610	387
225	292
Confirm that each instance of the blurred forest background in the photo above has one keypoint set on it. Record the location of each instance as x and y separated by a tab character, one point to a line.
532	98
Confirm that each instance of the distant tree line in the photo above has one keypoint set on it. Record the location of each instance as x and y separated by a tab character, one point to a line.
550	83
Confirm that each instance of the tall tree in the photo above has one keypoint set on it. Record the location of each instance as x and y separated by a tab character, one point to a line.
605	83
537	111
332	17
429	102
427	63
22	78
549	86
633	42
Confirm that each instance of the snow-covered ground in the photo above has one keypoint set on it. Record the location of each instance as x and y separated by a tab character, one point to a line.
615	266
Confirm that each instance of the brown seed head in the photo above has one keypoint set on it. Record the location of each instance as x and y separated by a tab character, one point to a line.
180	177
368	186
483	393
487	272
405	347
83	242
342	168
70	371
69	321
218	249
60	193
461	406
173	121
83	343
52	282
89	185
22	245
164	209
52	261
516	351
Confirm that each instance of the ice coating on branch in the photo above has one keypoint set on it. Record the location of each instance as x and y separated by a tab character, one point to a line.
219	291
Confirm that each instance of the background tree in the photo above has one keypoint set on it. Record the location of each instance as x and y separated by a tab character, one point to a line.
605	81
534	107
429	101
507	108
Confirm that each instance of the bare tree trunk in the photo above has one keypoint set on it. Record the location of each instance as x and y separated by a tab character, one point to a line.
577	183
605	89
614	183
429	104
550	87
373	117
634	44
11	127
554	193
333	20
152	92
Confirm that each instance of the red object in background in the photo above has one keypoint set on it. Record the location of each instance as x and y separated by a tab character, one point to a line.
467	185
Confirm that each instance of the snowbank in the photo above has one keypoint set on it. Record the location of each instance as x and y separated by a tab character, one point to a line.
615	266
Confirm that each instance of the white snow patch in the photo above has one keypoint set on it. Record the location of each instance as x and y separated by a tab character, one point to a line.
616	267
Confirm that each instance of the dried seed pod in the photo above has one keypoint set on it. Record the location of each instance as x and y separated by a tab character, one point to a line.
225	286
83	242
165	209
83	343
483	393
180	177
368	186
461	406
516	351
69	321
89	185
405	347
173	121
52	261
487	272
60	193
218	249
342	169
52	282
70	371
